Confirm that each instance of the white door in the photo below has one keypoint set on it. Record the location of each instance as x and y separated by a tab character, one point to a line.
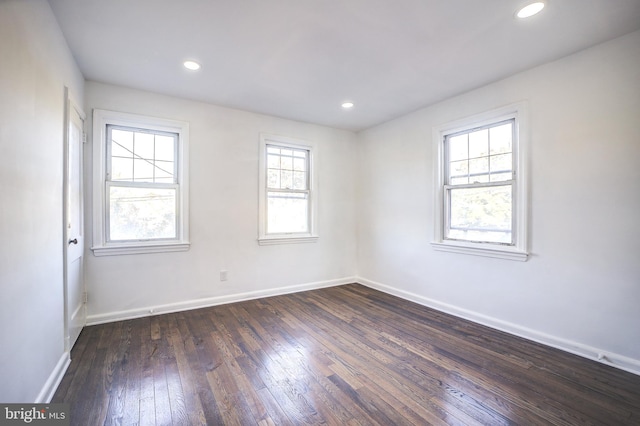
75	313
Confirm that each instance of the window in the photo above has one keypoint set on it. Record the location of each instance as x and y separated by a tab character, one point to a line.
140	184
287	192
481	193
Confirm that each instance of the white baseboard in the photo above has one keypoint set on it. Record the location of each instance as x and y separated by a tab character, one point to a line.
50	386
211	301
605	357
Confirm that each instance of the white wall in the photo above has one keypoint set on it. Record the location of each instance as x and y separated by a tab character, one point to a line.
224	146
581	287
35	66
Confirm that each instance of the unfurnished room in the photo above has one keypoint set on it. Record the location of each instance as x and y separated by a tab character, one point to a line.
284	212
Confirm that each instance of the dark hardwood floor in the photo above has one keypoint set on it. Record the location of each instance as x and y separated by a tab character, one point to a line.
345	355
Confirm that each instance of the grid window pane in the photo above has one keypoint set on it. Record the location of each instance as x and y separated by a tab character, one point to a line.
142	156
143	145
501	163
477	168
479	143
163	170
299	164
287	168
286	163
459	172
459	168
121	169
299	180
165	148
458	147
501	138
122	143
286	179
273	161
142	170
142	213
484	155
273	178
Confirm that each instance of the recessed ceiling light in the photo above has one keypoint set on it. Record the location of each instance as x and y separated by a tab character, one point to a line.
347	105
530	9
191	65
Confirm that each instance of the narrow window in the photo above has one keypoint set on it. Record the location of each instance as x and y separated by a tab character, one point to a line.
287	193
481	187
140	184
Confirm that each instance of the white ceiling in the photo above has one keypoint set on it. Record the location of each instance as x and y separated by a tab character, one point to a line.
300	59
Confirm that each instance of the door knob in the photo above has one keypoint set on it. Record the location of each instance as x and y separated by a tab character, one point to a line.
74	241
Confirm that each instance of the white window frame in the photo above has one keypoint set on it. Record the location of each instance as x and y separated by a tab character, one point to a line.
101	245
265	238
517	250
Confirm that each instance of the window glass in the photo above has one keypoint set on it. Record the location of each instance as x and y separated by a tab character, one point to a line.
141	178
288	195
287	200
481	191
477	209
138	213
482	214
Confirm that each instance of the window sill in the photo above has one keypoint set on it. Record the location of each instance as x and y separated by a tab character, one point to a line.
509	253
267	241
134	248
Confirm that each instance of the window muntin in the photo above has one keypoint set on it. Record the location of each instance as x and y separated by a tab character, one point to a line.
479	184
140	184
287	190
480	155
138	155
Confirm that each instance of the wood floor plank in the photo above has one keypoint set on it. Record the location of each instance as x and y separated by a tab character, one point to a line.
460	346
116	376
346	355
147	399
414	397
182	345
109	354
367	366
133	374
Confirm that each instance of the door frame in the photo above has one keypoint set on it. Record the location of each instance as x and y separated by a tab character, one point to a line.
70	105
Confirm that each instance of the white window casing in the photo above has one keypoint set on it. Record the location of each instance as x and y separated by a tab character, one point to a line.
512	245
293	219
168	177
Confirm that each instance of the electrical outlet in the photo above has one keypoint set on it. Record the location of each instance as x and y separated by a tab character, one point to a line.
224	275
